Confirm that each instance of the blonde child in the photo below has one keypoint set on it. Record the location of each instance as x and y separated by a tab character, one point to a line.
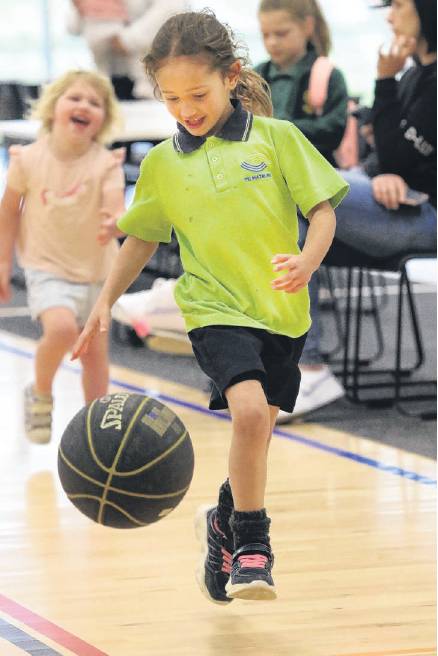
228	184
296	35
63	195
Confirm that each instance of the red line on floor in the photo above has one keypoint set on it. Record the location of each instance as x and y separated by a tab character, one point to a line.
48	629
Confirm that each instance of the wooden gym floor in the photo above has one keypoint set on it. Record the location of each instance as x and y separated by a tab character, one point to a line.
353	531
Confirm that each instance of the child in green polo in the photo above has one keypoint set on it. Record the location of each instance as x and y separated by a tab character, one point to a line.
228	184
296	34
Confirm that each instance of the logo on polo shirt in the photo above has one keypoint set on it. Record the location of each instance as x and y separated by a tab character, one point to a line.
255	164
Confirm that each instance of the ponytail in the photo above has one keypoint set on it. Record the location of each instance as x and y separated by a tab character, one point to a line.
254	93
321	35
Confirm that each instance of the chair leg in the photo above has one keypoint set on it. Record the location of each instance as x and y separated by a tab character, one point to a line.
337	348
377	322
374	311
399	400
359	379
347	334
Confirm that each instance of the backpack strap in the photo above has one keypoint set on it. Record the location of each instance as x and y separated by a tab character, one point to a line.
318	83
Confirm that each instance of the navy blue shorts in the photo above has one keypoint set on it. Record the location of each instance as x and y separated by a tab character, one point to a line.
231	354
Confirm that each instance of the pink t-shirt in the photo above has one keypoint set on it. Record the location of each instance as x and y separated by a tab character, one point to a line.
108	10
61	211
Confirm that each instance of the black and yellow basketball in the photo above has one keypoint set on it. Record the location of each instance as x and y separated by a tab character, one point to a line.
125	460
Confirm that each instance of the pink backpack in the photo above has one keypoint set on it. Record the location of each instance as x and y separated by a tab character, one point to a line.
347	154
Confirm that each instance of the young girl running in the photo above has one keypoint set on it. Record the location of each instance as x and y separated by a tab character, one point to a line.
63	196
228	183
296	35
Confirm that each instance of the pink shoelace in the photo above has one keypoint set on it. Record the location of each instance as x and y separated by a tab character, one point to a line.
252	560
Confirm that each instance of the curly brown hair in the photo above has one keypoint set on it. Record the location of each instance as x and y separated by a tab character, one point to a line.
201	34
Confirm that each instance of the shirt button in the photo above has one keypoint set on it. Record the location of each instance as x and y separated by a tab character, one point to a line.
215	159
220	176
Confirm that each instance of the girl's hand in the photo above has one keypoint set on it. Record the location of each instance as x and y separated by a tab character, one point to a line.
389	190
5	284
392	62
297	276
118	46
98	321
108	228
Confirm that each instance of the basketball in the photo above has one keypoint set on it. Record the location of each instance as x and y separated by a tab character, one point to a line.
125	460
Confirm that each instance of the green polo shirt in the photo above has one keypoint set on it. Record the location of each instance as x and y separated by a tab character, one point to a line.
232	203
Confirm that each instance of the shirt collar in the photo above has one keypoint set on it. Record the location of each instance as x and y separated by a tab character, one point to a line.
236	128
295	70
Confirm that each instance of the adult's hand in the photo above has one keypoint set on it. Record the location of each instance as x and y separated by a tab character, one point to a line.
389	190
392	62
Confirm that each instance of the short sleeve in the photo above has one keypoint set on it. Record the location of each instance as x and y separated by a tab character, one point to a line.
146	218
309	176
114	176
16	175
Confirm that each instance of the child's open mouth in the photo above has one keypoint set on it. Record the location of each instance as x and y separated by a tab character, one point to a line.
79	120
194	124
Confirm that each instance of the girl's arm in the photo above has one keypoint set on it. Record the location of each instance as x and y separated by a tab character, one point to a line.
114	207
132	257
318	240
74	19
10	209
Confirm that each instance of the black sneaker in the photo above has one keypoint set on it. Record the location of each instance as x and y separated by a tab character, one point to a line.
214	567
251	573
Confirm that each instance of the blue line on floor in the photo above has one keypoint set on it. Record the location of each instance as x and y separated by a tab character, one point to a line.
24	641
306	441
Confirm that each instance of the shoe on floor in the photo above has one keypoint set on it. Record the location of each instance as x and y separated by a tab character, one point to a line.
318	387
251	576
37	416
214	567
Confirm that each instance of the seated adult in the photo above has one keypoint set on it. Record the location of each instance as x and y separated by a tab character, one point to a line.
393	212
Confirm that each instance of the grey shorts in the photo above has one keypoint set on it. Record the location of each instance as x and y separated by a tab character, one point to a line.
45	291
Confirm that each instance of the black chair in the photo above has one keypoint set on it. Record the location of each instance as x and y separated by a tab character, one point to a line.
396	385
15	98
333	295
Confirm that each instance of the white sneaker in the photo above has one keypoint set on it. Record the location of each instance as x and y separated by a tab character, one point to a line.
318	387
37	416
151	310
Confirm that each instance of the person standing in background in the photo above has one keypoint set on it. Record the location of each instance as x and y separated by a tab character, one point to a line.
118	33
296	36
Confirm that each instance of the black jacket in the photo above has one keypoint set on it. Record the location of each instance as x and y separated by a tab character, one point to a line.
405	124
